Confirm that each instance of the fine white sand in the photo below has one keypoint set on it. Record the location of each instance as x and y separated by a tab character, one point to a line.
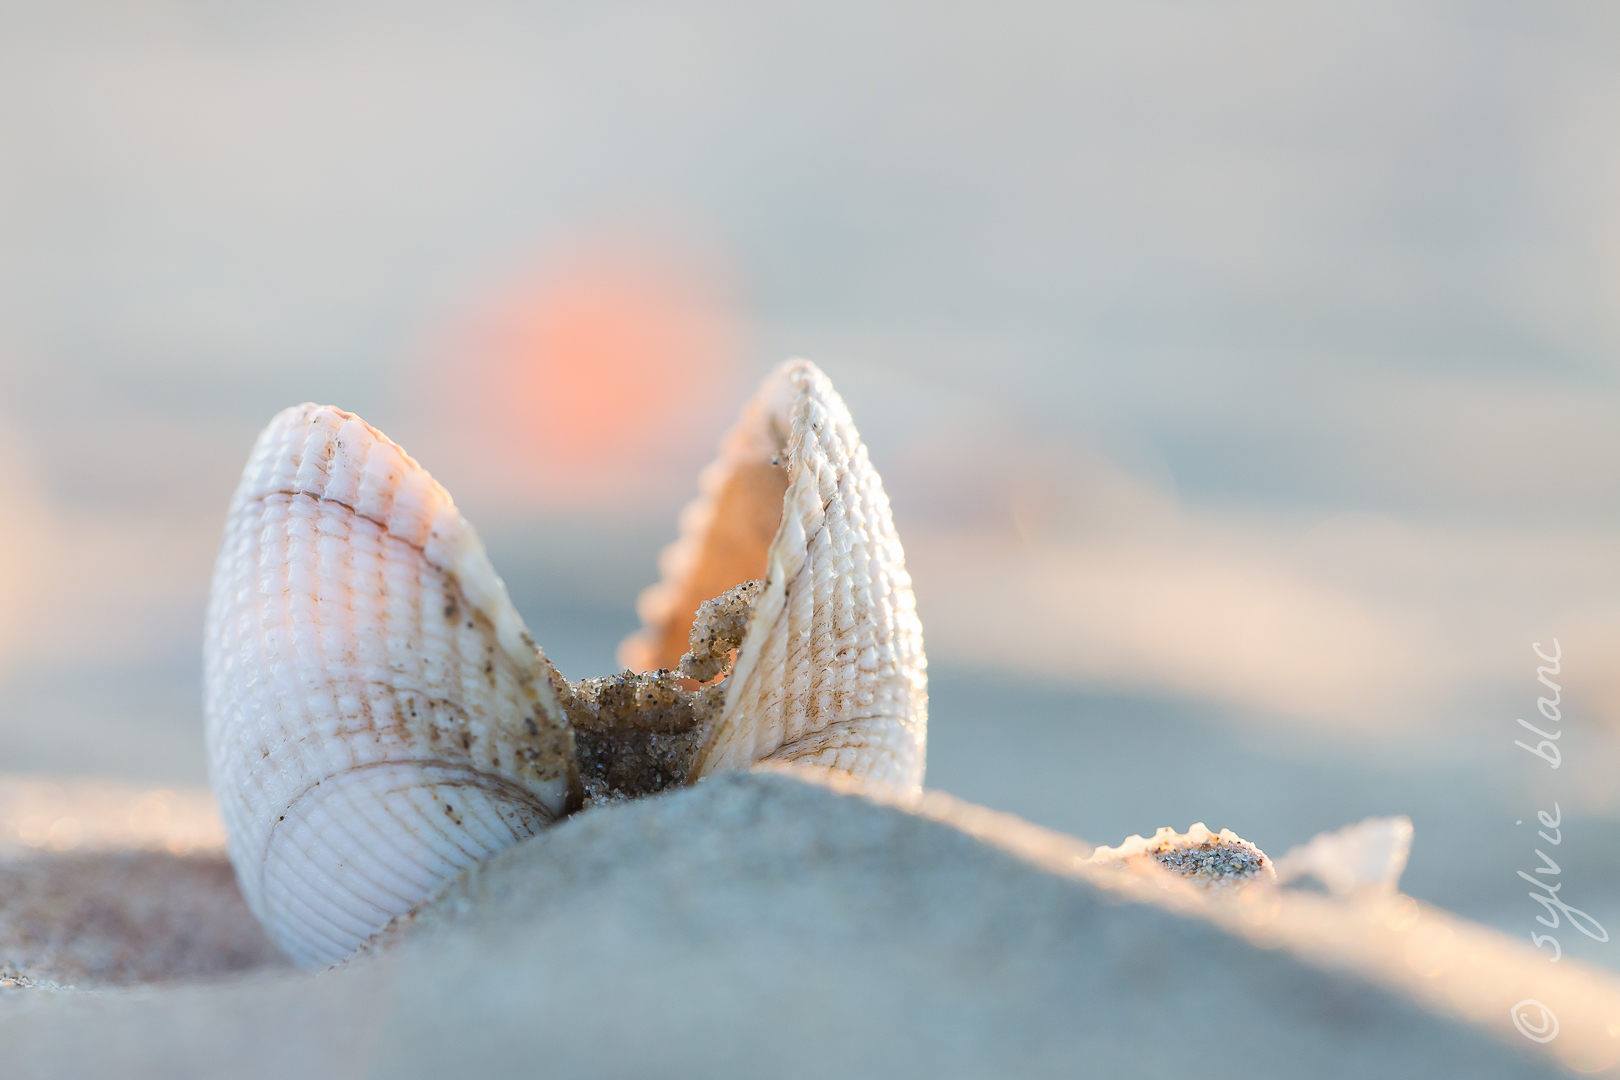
787	924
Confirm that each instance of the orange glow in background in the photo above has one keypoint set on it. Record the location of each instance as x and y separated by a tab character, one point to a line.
23	550
577	382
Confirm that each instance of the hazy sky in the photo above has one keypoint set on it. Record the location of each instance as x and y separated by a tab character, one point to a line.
1257	354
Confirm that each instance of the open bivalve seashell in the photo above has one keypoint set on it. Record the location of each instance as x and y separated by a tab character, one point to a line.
379	719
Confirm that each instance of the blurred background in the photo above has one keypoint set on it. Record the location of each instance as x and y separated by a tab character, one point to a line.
1243	375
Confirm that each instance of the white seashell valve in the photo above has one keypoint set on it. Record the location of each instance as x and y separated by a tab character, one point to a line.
831	670
378	717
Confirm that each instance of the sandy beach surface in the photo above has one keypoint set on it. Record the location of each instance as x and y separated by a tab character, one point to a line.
758	924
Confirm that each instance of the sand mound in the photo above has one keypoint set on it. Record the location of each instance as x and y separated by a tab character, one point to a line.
775	925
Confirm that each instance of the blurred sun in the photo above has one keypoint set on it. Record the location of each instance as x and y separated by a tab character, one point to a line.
575	379
22	550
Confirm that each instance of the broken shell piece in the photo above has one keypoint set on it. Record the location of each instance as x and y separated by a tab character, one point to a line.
1210	859
1368	856
829	669
379	719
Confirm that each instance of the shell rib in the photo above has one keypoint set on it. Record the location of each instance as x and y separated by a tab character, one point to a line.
831	670
378	717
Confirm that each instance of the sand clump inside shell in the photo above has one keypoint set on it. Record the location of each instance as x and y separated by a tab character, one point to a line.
636	733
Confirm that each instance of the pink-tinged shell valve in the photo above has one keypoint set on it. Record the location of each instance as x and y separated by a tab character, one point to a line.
831	670
379	719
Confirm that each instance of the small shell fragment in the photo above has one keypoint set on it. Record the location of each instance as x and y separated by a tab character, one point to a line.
1214	860
1368	856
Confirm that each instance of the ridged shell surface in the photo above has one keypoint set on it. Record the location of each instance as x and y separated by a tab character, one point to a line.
379	719
831	671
